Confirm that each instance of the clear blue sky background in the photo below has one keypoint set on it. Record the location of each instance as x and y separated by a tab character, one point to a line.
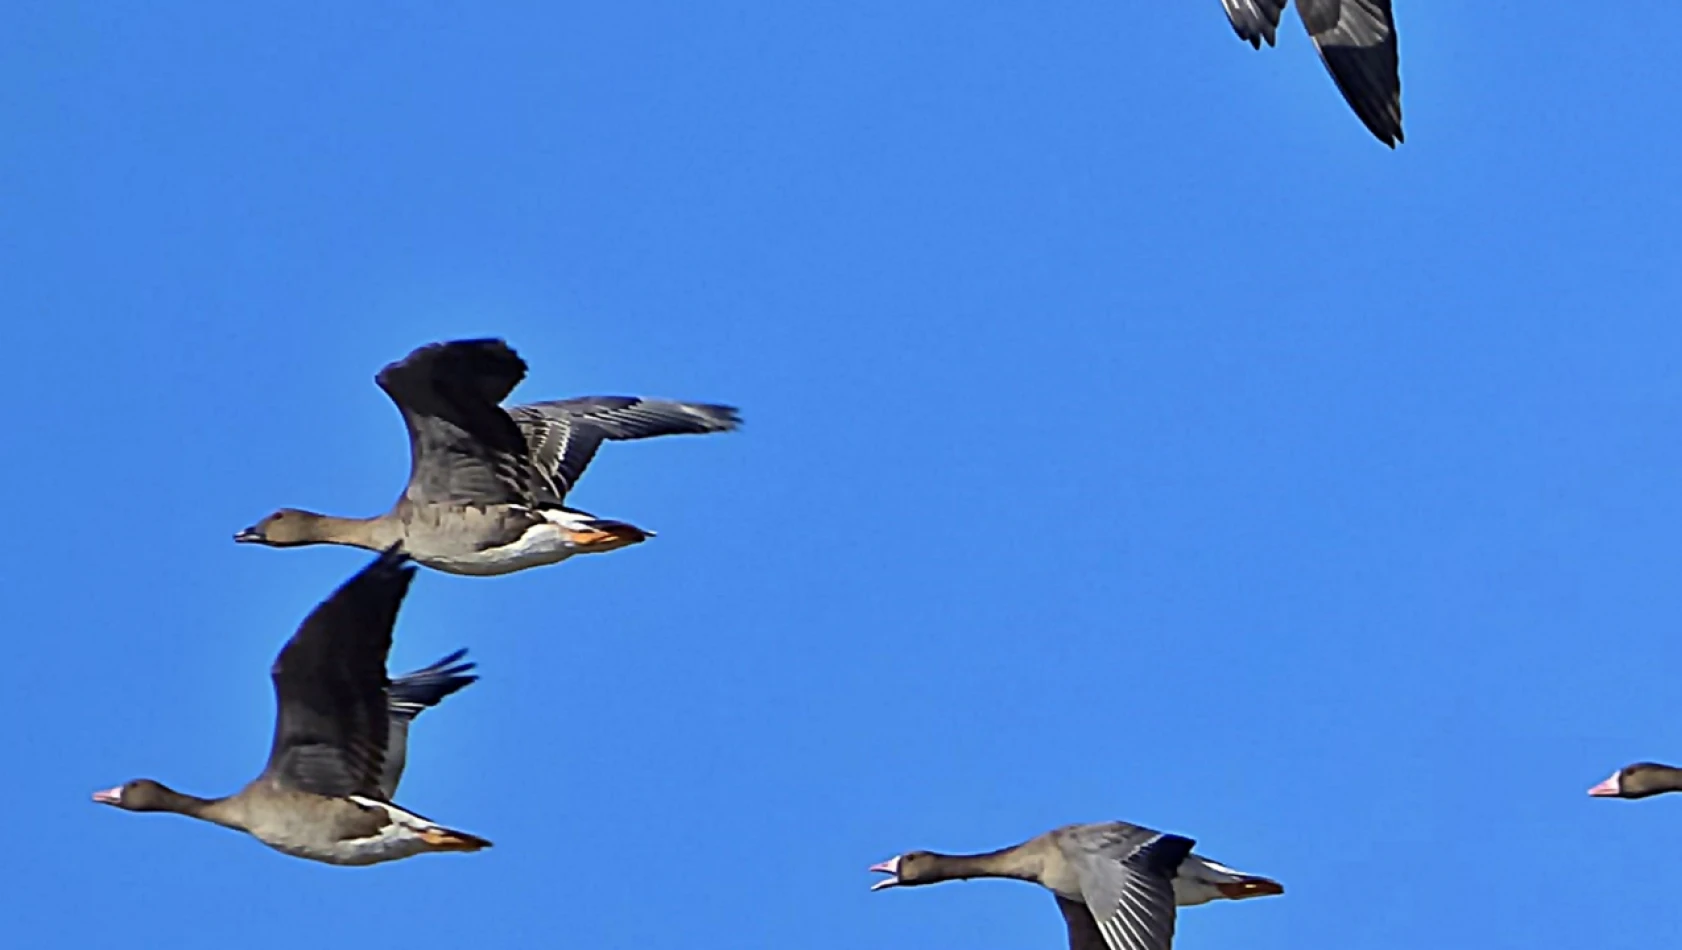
1129	435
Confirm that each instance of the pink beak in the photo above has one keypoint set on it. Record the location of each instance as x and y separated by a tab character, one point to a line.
890	866
111	796
1611	788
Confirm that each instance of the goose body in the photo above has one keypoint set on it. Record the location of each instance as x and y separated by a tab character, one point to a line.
552	535
390	834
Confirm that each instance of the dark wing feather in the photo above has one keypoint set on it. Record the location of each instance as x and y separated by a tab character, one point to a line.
1357	42
426	687
1255	21
562	435
463	447
1083	930
332	720
410	694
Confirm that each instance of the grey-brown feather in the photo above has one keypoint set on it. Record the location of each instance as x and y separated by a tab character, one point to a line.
1356	40
1256	21
277	812
456	530
562	435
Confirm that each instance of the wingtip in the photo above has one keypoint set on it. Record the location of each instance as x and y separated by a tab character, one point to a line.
722	418
453	657
1387	129
1252	28
412	693
450	665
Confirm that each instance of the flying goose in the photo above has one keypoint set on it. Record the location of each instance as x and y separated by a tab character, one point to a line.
340	730
1117	884
1357	42
486	484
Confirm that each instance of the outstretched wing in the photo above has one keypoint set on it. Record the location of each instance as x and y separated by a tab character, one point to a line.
409	695
1255	21
562	436
1357	42
332	721
1127	877
463	447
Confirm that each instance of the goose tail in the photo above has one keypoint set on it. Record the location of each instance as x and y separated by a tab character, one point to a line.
448	839
1200	880
1250	886
591	535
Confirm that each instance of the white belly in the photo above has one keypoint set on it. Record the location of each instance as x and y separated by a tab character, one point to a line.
545	543
392	845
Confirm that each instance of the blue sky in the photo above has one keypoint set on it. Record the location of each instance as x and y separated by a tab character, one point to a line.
1129	435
